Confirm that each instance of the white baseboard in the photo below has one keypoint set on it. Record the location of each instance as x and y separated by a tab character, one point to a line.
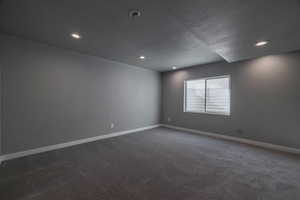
72	143
236	139
101	137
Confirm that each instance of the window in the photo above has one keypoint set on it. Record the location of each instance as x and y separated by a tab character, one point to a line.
208	95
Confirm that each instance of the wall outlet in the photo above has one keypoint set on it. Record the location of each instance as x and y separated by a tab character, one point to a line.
240	131
112	125
169	119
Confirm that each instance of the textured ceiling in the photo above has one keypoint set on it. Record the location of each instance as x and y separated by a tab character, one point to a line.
232	27
169	33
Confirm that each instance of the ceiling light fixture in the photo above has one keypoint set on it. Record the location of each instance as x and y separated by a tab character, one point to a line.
174	67
261	43
142	57
76	35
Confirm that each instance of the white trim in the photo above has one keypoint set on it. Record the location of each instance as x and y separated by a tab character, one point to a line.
101	137
72	143
241	140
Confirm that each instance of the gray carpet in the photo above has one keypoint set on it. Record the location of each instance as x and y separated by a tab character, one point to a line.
159	164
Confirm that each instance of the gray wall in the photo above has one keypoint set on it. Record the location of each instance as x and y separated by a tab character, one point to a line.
0	110
265	99
52	96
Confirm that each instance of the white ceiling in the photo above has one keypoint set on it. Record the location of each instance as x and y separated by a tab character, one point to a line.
169	33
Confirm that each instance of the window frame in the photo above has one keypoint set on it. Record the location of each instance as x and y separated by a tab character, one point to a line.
205	79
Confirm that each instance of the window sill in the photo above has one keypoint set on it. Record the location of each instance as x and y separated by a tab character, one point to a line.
208	113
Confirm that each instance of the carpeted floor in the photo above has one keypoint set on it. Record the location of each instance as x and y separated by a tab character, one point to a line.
159	164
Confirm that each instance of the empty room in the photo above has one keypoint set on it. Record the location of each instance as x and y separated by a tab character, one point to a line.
149	100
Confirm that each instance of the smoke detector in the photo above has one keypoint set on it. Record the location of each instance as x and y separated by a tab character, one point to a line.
134	14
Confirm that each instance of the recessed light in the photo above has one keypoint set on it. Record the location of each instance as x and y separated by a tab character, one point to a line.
261	43
174	67
142	57
76	35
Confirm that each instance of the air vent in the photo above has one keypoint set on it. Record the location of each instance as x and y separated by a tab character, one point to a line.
134	14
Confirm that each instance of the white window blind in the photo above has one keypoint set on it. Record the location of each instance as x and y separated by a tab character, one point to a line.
209	95
195	96
218	96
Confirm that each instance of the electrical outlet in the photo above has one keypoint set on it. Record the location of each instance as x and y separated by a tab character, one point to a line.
112	125
240	131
